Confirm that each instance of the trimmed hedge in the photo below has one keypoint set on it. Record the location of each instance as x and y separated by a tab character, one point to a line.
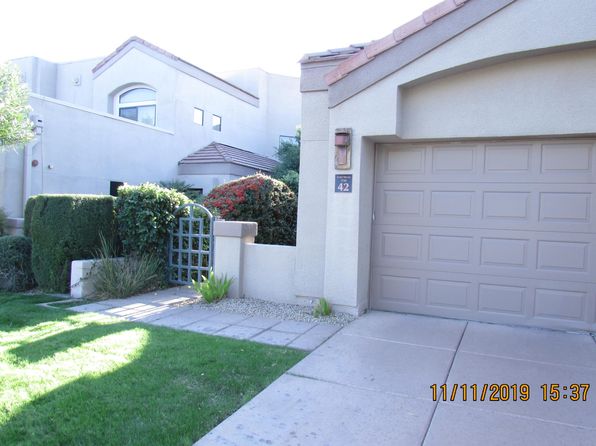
66	228
145	215
27	215
15	263
262	199
3	221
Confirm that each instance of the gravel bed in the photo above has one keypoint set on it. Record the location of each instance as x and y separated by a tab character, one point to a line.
273	310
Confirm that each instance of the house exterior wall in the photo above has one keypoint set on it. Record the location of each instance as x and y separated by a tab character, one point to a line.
77	109
520	72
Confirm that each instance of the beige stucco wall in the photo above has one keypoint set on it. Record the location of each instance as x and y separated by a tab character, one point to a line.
269	271
523	71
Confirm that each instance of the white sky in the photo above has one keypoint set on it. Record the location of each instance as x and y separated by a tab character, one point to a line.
216	35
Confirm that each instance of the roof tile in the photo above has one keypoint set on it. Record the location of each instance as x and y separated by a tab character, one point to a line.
404	31
222	153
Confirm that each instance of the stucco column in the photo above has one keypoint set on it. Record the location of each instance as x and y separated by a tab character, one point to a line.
230	237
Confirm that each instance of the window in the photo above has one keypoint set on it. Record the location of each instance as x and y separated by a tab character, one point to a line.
114	185
216	123
137	104
198	116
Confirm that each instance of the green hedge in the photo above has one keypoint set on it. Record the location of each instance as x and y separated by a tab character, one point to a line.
15	263
3	221
66	228
262	199
28	212
145	215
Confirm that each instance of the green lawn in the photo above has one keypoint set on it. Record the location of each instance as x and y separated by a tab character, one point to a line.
85	379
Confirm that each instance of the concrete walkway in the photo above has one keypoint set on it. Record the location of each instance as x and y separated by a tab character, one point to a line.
167	308
370	384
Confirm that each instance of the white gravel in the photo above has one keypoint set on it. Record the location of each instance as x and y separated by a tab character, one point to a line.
273	310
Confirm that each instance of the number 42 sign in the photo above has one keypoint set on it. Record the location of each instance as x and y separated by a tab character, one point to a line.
343	183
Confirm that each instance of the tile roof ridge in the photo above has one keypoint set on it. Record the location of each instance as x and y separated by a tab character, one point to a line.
371	50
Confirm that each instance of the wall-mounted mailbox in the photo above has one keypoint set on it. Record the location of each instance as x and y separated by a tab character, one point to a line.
343	149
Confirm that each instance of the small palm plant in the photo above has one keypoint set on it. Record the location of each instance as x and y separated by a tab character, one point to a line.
212	287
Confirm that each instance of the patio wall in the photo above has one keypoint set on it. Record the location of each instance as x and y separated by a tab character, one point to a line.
259	271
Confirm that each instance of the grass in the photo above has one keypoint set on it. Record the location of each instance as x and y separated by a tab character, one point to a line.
87	379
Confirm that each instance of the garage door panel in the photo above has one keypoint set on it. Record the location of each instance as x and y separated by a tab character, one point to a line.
494	231
545	255
532	161
543	303
533	207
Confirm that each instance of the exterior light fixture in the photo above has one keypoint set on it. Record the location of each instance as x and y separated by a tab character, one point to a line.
343	149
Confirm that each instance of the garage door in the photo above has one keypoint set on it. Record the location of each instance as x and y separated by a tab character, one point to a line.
491	231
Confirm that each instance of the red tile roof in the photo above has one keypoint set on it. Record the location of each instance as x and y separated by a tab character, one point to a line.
222	153
371	50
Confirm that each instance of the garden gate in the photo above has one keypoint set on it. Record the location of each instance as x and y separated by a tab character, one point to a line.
190	248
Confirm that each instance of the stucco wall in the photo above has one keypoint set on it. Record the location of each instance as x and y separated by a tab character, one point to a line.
81	151
269	272
540	95
527	70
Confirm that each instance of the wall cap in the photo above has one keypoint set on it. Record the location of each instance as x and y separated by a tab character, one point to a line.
239	229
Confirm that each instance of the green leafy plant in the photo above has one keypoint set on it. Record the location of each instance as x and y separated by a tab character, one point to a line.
66	228
184	188
15	125
322	308
145	215
3	221
212	288
261	199
288	154
15	263
124	276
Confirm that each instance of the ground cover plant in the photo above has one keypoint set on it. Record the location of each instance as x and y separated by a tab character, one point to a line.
86	379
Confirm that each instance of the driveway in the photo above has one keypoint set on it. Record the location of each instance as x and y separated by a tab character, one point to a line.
370	384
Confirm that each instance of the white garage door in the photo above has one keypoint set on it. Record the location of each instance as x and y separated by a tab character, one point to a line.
492	231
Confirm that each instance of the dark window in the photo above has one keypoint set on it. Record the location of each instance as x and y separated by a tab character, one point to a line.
114	185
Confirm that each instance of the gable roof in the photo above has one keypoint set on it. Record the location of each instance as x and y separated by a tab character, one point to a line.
222	153
176	62
383	57
395	38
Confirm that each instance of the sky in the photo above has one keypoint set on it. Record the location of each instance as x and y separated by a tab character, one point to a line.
216	35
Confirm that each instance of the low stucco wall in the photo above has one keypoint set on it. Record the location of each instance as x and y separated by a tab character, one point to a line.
269	272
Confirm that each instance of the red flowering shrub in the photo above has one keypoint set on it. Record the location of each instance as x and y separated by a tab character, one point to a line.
258	198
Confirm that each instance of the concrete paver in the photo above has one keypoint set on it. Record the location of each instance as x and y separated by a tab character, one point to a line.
239	332
461	425
472	368
534	345
370	384
409	329
184	318
294	326
259	322
301	411
377	364
275	337
206	326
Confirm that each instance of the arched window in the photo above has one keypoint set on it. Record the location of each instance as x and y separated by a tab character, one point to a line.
137	104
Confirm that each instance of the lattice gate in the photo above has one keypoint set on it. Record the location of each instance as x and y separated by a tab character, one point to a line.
190	249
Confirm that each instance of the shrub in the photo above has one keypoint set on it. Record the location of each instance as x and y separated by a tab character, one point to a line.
123	277
262	199
145	215
184	188
3	222
66	228
28	213
15	263
212	288
322	308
